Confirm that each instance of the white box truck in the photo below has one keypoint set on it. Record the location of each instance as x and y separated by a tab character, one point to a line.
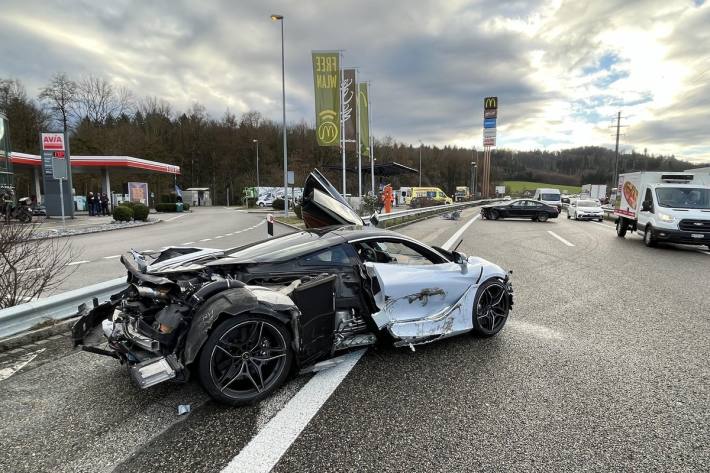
594	191
664	207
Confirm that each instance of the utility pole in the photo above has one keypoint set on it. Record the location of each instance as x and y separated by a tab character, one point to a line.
619	126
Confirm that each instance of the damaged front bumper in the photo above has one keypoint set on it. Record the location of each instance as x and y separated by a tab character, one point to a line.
104	330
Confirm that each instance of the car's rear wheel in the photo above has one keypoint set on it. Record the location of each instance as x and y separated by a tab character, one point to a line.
568	217
261	204
542	217
245	359
621	226
491	308
495	215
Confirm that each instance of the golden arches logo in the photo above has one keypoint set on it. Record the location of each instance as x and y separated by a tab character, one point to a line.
328	130
490	103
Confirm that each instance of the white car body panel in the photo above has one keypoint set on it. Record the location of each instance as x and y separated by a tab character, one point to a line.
423	303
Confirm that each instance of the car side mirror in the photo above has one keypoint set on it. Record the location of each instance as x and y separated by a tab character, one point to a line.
646	206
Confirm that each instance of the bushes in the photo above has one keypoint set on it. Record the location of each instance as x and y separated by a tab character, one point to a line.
278	204
165	207
122	213
186	206
140	212
168	199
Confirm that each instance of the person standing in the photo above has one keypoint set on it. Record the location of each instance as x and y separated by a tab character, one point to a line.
90	203
104	204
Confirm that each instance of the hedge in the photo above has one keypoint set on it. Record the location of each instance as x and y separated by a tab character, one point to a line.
140	212
122	213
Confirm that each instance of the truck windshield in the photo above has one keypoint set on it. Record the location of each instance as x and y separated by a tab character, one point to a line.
683	197
550	197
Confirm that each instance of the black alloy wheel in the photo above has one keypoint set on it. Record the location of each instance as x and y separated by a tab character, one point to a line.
245	359
491	308
495	214
542	217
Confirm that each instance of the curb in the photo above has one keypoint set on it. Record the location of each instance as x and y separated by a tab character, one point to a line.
289	225
102	230
18	341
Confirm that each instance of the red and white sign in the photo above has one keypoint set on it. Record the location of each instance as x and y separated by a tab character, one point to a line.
489	141
53	142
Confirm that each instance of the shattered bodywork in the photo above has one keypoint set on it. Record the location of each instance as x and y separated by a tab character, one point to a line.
246	318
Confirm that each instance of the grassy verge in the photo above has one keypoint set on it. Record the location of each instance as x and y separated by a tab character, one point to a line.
517	187
295	221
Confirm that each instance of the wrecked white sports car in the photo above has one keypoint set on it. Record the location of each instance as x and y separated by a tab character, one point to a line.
244	320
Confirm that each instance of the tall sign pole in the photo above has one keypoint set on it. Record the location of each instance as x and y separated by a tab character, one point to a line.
342	121
490	117
357	139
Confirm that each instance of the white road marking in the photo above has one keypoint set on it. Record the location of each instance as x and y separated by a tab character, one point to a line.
229	234
188	243
218	237
112	256
206	239
31	270
18	365
175	218
268	446
559	238
78	262
609	227
703	251
457	236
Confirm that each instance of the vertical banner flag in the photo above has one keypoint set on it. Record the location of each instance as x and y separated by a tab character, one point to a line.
326	78
349	108
363	114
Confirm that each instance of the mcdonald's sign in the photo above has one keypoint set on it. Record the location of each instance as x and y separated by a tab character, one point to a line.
490	103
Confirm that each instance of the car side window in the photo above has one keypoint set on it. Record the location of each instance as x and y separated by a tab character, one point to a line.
395	252
334	255
520	203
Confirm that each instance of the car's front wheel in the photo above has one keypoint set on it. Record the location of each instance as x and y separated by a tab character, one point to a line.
542	217
648	237
491	308
245	359
495	215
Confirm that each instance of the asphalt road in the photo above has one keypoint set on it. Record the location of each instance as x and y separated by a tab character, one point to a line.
96	254
603	365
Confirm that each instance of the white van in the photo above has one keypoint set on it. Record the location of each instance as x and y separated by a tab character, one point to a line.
549	196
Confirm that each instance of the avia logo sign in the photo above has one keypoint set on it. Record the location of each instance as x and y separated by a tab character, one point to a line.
52	142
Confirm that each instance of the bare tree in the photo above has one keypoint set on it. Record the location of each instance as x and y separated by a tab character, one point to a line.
97	100
30	266
60	95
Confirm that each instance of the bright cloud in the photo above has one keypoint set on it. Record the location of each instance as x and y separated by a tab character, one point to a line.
562	69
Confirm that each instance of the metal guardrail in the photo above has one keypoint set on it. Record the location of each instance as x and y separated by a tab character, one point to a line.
401	216
14	320
20	318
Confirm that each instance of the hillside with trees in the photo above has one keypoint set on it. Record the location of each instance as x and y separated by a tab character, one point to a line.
219	152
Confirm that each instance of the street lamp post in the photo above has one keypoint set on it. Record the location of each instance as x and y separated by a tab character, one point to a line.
257	162
474	169
420	163
283	100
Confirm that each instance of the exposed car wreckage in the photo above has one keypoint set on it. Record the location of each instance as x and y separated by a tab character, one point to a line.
245	319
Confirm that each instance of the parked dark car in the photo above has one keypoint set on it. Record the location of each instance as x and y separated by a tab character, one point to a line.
520	208
245	319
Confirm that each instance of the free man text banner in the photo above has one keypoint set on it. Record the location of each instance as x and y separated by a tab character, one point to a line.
326	81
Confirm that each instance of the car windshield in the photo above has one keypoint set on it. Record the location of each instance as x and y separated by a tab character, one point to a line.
683	197
587	203
550	197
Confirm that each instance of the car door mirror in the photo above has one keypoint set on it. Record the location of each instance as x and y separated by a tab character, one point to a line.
646	206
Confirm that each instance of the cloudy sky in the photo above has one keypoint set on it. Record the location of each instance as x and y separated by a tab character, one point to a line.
562	70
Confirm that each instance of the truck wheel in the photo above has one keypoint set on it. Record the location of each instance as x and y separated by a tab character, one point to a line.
648	237
621	226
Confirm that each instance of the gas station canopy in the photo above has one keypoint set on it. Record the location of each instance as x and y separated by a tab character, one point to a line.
125	162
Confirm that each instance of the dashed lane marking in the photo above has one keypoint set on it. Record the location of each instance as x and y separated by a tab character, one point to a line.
218	237
175	218
31	270
560	238
457	236
188	243
609	227
112	256
74	263
206	239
